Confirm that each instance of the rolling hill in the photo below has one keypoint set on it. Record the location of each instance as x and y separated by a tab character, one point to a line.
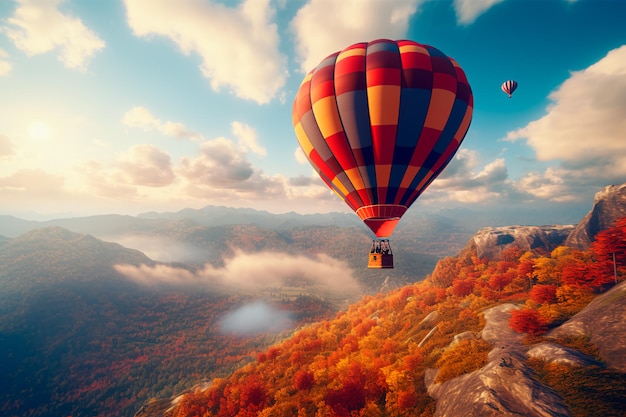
79	338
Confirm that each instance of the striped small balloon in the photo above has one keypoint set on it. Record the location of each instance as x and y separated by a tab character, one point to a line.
509	86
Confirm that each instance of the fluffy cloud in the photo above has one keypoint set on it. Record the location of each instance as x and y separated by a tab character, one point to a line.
32	180
549	186
247	138
104	181
253	272
6	147
467	11
325	26
238	46
146	165
37	27
300	156
142	166
220	164
464	181
30	189
5	66
583	130
141	117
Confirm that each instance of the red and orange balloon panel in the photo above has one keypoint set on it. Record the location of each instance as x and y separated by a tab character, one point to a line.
379	121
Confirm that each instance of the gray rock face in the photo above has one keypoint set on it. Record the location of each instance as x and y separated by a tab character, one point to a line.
507	387
503	387
491	241
604	321
608	206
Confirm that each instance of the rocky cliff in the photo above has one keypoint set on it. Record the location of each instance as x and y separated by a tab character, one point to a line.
506	386
608	206
489	242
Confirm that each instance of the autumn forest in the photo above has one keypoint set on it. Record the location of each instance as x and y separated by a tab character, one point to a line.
370	360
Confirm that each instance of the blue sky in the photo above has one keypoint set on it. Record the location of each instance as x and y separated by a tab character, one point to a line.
157	105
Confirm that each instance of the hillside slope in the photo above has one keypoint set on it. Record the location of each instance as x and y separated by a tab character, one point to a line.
79	338
471	343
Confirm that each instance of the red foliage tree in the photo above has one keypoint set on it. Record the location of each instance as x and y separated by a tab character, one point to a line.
273	353
527	321
350	397
543	294
462	287
525	269
500	280
303	380
407	400
580	273
253	393
609	248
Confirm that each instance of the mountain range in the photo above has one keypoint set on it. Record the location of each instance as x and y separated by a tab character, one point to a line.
100	314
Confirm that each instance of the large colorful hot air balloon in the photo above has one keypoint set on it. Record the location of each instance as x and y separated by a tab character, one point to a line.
509	86
379	121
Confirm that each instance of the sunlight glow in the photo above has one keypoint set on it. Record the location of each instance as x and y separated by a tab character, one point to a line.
39	131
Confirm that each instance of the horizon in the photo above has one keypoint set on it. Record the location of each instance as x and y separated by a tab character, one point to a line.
181	105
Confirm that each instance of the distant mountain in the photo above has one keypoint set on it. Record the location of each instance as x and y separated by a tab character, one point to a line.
609	205
223	216
212	234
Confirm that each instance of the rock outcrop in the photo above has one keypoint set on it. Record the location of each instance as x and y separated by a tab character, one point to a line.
489	242
608	206
507	387
603	321
503	387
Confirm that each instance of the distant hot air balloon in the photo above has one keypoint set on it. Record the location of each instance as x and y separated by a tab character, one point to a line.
509	86
379	121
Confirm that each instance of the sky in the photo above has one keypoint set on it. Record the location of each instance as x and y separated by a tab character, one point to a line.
130	106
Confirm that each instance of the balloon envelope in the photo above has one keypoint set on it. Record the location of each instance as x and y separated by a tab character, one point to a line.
379	121
509	86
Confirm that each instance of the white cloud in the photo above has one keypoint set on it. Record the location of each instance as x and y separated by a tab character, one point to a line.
105	182
326	26
248	138
584	127
32	181
238	46
220	164
300	156
37	27
467	11
253	272
460	181
548	186
6	147
146	165
5	66
142	118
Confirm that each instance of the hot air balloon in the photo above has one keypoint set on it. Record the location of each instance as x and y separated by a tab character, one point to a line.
379	121
509	86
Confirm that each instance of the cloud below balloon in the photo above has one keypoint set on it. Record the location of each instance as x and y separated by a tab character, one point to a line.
253	272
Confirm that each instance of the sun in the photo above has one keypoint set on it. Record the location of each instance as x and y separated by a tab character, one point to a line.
39	131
